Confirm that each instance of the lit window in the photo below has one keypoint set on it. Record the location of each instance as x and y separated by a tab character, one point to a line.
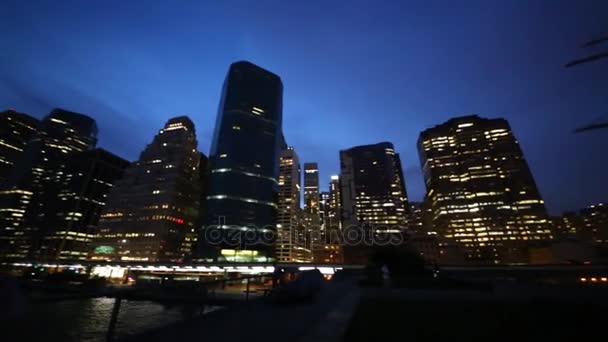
257	111
223	155
236	128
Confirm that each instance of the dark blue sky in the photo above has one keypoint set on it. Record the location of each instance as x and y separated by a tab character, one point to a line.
355	72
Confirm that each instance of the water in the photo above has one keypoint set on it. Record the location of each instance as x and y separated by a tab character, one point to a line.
87	320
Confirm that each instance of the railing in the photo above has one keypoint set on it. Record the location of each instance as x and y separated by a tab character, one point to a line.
221	291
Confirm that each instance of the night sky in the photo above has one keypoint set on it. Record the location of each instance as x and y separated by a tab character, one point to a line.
354	72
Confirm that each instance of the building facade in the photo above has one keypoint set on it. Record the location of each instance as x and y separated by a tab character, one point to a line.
330	249
16	130
334	216
374	198
480	189
25	193
324	202
75	195
594	223
152	210
373	189
291	244
242	197
311	188
312	207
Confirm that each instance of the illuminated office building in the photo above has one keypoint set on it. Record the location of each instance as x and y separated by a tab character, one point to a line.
242	198
372	187
75	194
416	219
16	129
312	208
25	192
291	239
373	194
568	225
330	251
480	189
152	210
324	201
311	188
335	205
312	200
594	223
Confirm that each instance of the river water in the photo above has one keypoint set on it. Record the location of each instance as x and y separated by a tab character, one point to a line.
87	320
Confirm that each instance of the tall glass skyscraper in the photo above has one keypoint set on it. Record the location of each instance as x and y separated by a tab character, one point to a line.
242	198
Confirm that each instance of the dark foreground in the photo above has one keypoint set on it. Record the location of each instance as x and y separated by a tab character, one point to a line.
429	316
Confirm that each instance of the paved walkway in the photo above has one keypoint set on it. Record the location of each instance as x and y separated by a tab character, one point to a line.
323	320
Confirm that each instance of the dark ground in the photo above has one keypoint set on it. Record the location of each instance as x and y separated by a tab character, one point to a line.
390	319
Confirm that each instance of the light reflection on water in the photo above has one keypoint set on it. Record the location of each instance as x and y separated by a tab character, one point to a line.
87	320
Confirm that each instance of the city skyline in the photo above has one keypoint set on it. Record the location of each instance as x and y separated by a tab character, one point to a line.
543	101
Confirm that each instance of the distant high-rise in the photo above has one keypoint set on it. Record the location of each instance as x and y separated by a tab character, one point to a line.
24	194
335	205
595	223
16	129
242	198
416	220
373	194
75	195
324	202
291	239
311	188
568	225
190	245
315	229
480	189
151	211
330	248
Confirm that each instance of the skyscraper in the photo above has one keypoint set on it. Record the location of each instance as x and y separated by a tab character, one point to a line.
324	202
311	188
152	209
480	189
373	194
335	206
330	248
16	129
312	208
291	239
190	245
373	188
595	223
242	200
420	219
62	133
75	195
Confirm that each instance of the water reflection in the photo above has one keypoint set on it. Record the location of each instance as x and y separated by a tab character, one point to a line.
87	320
